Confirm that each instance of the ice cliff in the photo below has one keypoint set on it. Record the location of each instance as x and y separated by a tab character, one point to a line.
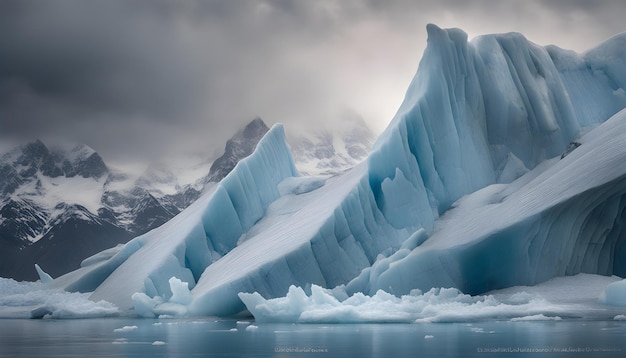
459	191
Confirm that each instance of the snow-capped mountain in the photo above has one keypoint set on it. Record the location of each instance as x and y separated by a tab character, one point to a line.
36	179
50	208
468	187
329	152
61	204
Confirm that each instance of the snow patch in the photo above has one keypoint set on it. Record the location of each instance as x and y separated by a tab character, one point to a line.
86	192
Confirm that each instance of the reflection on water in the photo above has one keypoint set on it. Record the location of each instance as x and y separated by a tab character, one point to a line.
210	337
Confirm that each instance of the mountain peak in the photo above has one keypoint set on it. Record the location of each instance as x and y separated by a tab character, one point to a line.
257	122
437	34
34	150
241	145
35	146
35	157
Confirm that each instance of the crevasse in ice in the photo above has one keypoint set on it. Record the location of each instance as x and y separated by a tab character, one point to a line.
460	191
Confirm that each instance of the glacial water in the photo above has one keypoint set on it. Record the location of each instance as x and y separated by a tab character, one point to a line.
126	337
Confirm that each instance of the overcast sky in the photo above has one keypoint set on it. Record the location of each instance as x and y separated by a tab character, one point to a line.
136	79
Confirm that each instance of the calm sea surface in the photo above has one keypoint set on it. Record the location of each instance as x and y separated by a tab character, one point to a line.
127	337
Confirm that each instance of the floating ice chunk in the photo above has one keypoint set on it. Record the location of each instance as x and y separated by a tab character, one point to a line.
252	328
176	305
428	336
614	294
40	312
125	329
620	317
79	306
180	292
151	307
43	276
145	305
558	297
37	300
288	309
158	343
536	317
170	309
436	305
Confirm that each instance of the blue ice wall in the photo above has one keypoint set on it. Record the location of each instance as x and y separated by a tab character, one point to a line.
477	112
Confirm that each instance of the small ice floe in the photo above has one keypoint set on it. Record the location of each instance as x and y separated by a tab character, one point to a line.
125	329
536	317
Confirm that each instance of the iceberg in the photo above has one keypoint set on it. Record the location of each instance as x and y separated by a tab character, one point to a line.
465	189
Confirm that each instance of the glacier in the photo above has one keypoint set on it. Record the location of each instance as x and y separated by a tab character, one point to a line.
466	188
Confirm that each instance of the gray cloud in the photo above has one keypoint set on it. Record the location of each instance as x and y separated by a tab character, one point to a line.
136	79
71	65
